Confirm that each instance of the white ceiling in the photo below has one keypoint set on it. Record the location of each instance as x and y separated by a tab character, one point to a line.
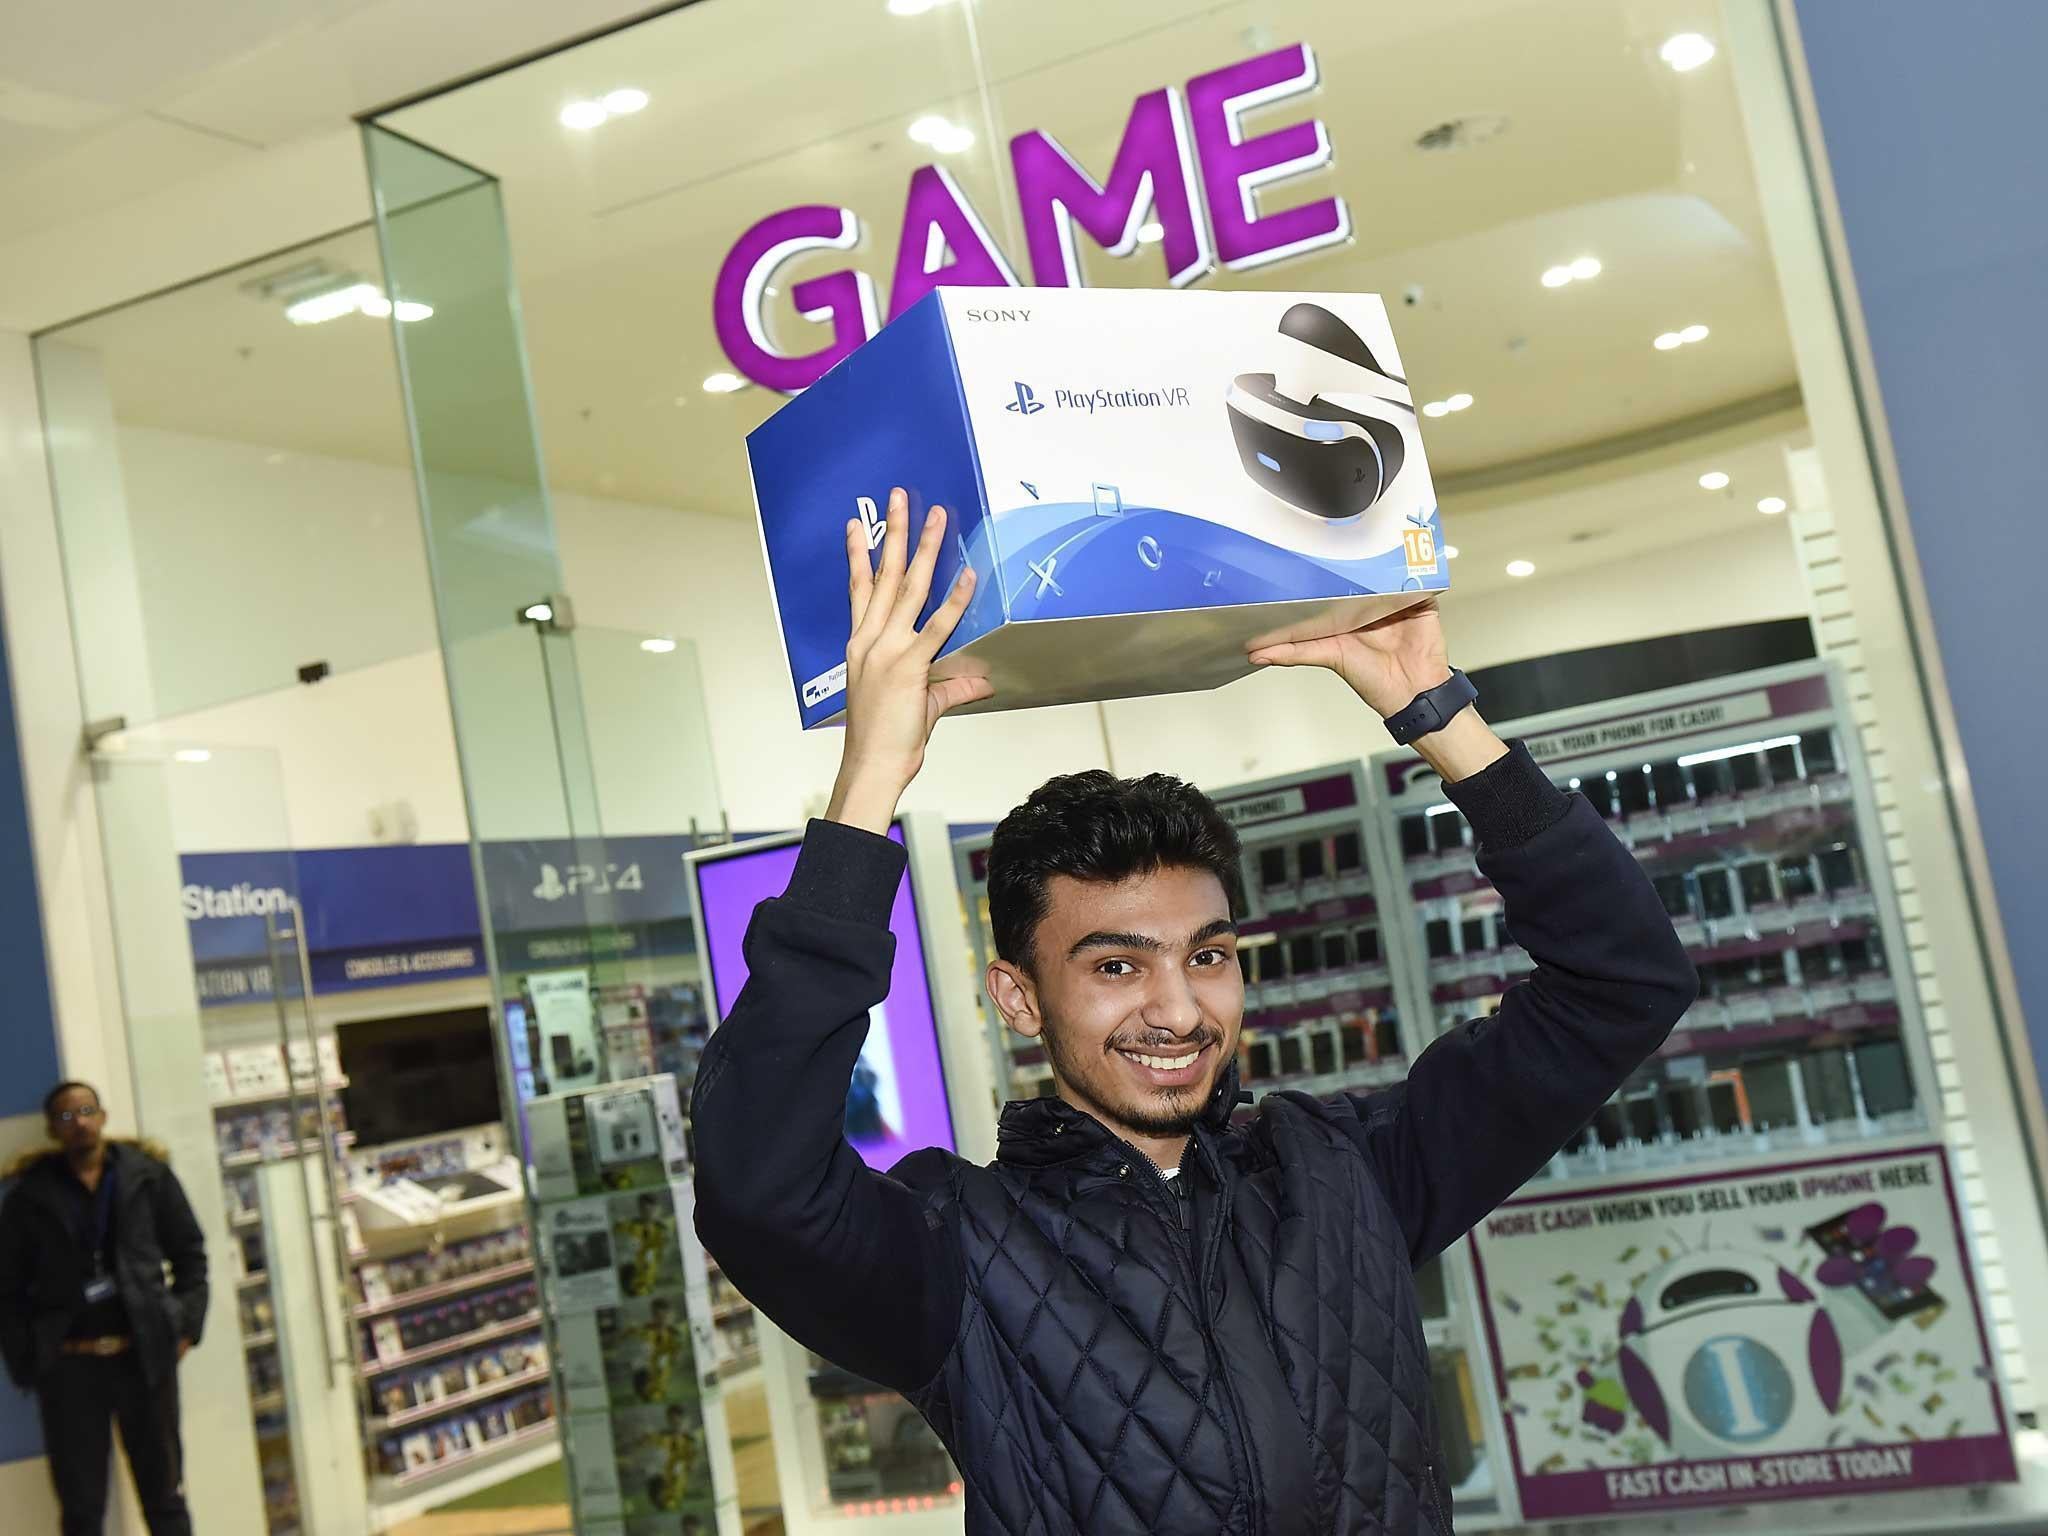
759	104
107	105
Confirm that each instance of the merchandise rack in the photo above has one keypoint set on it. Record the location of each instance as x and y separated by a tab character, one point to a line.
296	1115
468	1258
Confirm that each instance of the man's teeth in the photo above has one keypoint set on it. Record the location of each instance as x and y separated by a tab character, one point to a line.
1162	1063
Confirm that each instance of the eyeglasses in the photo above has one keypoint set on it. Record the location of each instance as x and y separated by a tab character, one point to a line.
72	1116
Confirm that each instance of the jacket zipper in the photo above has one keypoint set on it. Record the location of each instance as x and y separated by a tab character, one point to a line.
1200	1275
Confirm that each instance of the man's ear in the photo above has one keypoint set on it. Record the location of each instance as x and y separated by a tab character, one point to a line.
1011	989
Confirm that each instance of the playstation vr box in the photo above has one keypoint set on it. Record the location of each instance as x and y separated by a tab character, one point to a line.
1146	482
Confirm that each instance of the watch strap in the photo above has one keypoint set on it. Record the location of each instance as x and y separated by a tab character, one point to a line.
1432	710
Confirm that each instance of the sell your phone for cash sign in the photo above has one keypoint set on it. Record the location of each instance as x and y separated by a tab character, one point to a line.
1801	1330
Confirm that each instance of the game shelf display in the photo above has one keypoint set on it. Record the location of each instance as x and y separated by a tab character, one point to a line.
628	1302
272	1102
445	1315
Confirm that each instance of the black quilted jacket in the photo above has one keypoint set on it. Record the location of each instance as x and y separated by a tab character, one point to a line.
1096	1361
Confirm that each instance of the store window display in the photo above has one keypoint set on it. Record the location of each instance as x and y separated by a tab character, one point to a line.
1587	269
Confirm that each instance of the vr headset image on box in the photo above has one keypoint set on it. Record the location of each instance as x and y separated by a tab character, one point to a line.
1324	432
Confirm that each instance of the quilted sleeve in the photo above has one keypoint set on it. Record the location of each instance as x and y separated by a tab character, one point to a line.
844	1259
1488	1104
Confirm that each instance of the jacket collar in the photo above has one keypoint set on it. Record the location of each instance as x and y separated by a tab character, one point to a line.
1037	1133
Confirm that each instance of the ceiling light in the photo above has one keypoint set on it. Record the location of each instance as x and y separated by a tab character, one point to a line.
1771	506
193	755
1686	51
1458	402
723	383
1667	341
540	613
1586	268
1151	234
659	645
409	311
1521	568
910	7
1556	277
1713	480
1450	551
1436	408
583	114
1684	338
941	134
331	305
1693	333
624	101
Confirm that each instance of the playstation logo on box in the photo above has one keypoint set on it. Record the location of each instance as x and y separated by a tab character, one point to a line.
1147	482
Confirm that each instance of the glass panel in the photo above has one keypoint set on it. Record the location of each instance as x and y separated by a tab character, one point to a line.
230	1075
229	463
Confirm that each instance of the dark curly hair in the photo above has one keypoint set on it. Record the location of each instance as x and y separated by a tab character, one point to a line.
1095	826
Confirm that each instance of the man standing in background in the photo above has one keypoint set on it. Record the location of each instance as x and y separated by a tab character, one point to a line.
102	1292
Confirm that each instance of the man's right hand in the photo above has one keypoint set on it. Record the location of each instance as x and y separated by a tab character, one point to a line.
891	701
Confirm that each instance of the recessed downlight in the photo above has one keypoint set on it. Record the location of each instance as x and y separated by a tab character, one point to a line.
723	383
625	101
1714	480
941	134
1151	234
1771	506
193	755
1686	51
1521	568
1450	551
583	115
657	645
1681	338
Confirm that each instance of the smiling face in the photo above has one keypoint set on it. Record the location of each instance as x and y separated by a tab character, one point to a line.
1134	989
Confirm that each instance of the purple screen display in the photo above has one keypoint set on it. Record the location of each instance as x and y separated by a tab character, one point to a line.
897	1101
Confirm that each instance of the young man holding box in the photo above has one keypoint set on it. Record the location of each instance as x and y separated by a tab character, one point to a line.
1141	1317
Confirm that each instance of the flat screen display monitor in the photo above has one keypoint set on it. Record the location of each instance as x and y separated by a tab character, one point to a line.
422	1074
897	1101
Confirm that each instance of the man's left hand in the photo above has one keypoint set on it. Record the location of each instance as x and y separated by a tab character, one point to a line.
1387	663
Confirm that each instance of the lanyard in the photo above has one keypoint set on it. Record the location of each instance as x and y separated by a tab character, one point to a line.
103	1217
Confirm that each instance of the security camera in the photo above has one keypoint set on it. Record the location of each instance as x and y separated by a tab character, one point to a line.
1324	430
1412	295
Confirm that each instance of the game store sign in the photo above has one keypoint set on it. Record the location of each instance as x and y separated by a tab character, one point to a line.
1805	1330
1185	163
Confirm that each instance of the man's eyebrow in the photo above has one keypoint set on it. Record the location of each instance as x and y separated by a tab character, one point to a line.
1104	939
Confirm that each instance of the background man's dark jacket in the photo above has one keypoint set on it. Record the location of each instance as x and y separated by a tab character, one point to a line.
160	1261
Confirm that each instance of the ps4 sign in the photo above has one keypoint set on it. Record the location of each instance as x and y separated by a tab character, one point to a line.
1185	163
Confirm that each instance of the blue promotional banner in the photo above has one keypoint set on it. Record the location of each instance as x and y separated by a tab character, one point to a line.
560	883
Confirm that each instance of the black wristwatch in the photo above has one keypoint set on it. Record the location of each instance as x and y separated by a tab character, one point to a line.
1432	711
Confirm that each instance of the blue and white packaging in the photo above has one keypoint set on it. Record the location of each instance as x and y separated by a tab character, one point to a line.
1147	483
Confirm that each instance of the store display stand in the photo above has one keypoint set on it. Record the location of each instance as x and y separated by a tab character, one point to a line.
450	1354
